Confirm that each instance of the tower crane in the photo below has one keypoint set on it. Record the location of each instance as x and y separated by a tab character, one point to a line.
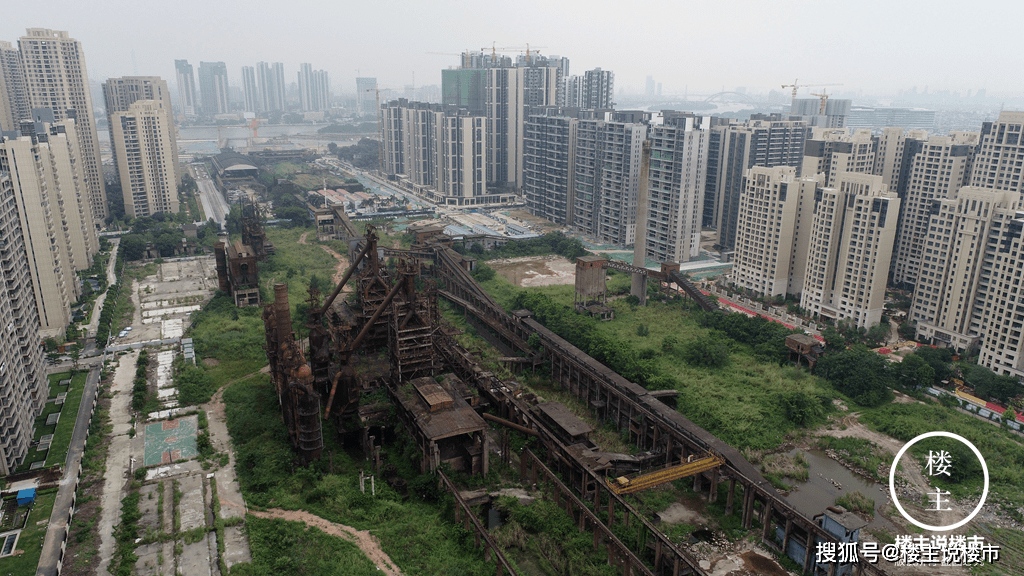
494	50
796	85
380	130
824	100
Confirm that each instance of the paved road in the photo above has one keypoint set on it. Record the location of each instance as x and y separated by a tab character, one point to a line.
214	204
59	517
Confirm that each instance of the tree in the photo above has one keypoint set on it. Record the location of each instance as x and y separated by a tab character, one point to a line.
233	220
710	352
859	373
878	334
939	359
483	273
134	247
913	372
332	148
834	339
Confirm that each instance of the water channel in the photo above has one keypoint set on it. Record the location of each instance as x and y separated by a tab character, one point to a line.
829	480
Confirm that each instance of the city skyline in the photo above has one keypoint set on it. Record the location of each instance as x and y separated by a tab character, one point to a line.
753	45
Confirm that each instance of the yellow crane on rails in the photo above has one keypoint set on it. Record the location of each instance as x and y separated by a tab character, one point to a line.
623	485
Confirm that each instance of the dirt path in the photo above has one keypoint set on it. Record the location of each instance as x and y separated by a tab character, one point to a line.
366	542
339	270
918	484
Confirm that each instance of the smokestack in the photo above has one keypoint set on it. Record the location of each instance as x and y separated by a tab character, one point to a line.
282	312
639	285
222	267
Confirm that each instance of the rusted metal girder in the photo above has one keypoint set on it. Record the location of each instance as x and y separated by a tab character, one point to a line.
344	279
511	425
362	334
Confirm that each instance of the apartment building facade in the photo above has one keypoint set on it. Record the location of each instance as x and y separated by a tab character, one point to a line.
56	78
23	389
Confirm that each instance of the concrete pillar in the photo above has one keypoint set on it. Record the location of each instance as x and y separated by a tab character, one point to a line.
786	534
676	566
668	450
611	511
596	532
713	494
657	555
807	552
696	482
729	497
748	507
766	519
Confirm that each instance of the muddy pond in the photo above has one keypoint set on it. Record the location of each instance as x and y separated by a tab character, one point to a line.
829	480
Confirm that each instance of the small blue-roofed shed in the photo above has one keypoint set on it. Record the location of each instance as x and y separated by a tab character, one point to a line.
26	496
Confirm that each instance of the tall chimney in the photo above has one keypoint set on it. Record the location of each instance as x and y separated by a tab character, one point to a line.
282	312
639	285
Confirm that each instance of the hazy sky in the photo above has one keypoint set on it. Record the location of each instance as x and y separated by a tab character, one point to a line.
870	46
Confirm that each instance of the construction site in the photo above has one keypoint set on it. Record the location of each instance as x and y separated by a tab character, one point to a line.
463	418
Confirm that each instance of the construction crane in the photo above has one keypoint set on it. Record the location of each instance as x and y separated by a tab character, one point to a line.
824	100
494	50
796	85
380	130
623	485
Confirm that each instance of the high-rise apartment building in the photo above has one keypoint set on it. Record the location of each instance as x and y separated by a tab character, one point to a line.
676	187
142	139
272	89
30	168
773	233
574	92
598	89
56	78
810	111
833	151
607	176
314	89
120	94
366	96
762	141
14	105
23	388
850	246
548	165
894	154
213	88
957	254
968	280
80	242
250	93
437	151
188	103
938	168
504	90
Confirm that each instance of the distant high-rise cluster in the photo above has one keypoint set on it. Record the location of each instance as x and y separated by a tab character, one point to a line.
188	102
314	89
143	141
213	88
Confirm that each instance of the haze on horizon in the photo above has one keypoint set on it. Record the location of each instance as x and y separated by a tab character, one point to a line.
872	47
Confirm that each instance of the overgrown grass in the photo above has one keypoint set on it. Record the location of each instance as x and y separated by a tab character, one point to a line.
775	467
746	403
282	547
545	531
862	453
31	539
856	501
68	416
1001	449
418	533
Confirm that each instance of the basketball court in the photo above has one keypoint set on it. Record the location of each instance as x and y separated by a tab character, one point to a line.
171	440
